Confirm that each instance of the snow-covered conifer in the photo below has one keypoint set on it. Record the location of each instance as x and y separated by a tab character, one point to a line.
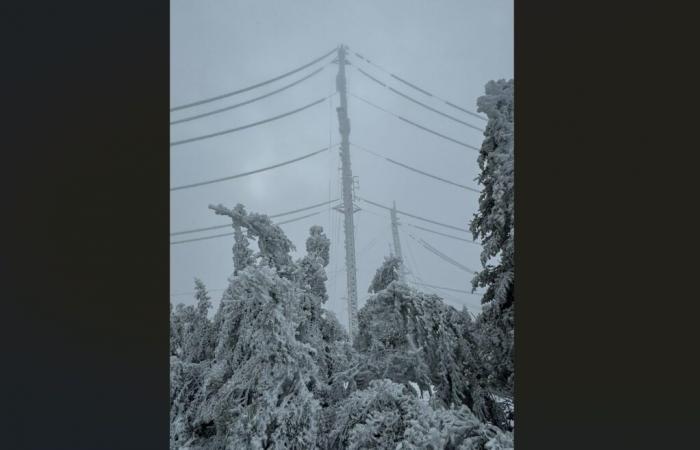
386	273
493	224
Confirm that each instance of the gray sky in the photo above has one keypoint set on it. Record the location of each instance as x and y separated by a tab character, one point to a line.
449	47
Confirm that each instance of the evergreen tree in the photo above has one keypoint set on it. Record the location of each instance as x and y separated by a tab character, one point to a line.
386	273
412	337
493	225
388	415
242	254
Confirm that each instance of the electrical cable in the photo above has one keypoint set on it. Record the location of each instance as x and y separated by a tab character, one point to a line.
232	130
247	102
413	215
396	77
270	216
464	144
231	234
408	97
244	174
229	94
413	169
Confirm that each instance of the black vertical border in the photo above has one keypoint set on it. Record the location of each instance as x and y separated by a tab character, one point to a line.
606	341
85	224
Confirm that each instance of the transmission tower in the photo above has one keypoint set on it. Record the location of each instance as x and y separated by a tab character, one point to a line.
397	242
348	207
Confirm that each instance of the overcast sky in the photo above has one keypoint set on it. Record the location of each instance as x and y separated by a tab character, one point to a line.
449	47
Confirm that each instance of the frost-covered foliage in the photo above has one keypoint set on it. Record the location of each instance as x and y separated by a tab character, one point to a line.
318	244
388	415
274	246
408	336
389	271
493	223
495	332
494	226
274	370
190	329
242	254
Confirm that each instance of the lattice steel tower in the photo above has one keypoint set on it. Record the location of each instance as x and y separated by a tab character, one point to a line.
348	207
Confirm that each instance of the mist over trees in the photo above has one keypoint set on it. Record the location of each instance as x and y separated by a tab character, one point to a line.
273	369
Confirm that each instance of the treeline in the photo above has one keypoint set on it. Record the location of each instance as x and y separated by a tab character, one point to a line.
273	369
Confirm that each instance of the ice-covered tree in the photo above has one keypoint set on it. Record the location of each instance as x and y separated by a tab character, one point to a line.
412	337
493	224
258	390
387	415
386	273
274	246
242	254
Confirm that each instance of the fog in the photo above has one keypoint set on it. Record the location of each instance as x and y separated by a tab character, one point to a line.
449	47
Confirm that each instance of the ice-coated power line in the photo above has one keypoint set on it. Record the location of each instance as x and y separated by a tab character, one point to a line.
396	77
405	166
441	255
228	225
414	216
450	289
408	97
252	172
232	130
463	144
247	102
231	234
441	234
229	94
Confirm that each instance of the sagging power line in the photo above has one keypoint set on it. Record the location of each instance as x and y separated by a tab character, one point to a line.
408	97
410	122
413	169
272	216
247	102
252	172
231	234
441	255
414	216
239	91
442	234
232	130
479	294
429	94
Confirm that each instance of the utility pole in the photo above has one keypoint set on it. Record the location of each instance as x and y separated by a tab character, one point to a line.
397	242
348	205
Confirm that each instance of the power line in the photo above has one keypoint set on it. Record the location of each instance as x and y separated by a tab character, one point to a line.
464	144
228	108
298	218
219	133
408	97
441	234
451	289
306	208
441	255
218	180
229	94
396	77
405	166
414	216
231	234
